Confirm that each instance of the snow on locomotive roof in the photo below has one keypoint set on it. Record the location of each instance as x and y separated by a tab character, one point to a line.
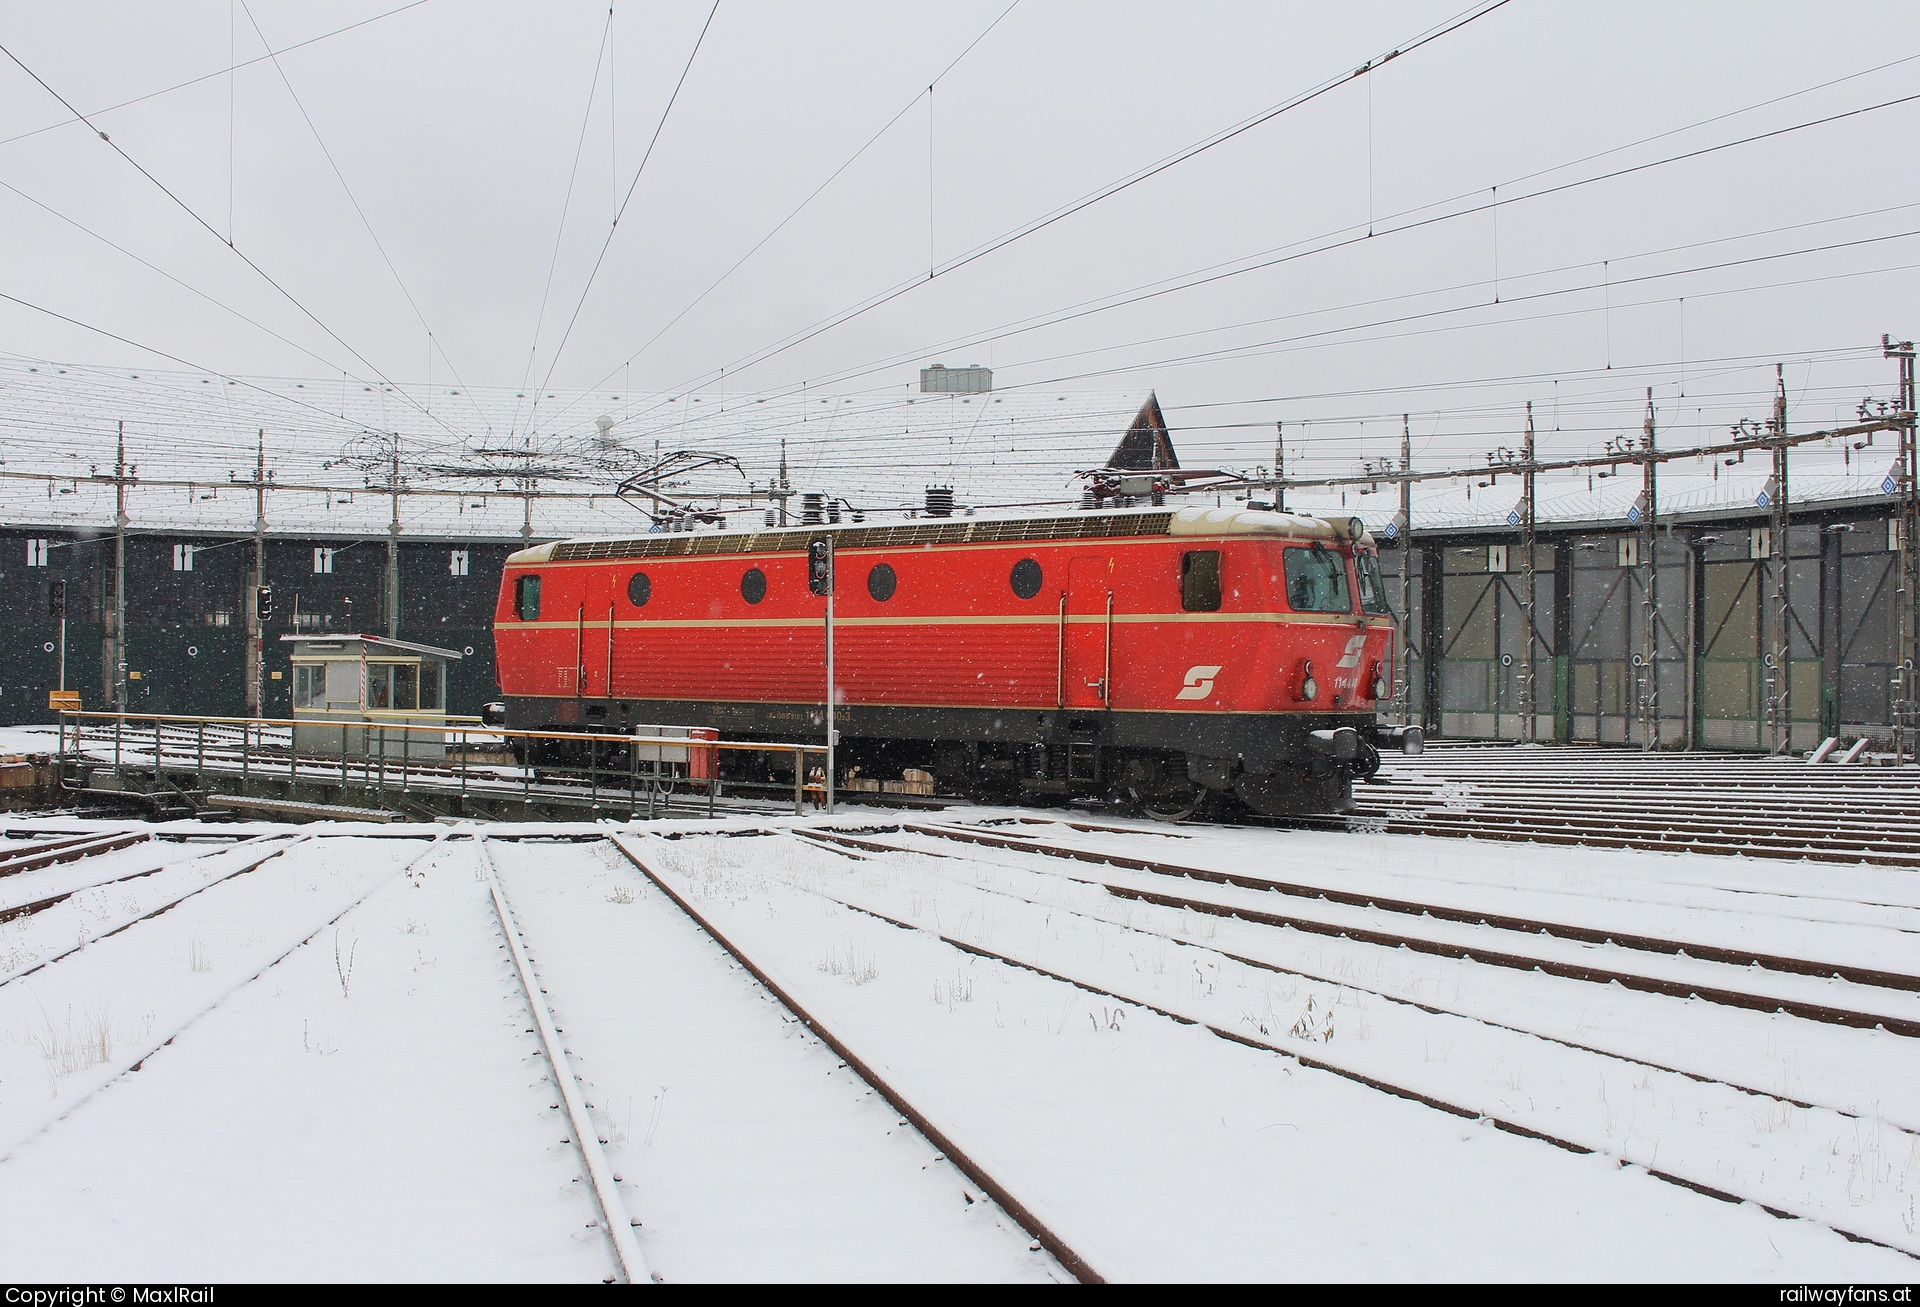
328	450
1083	525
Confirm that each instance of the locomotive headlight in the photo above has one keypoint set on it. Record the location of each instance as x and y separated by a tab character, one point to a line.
1381	689
1309	688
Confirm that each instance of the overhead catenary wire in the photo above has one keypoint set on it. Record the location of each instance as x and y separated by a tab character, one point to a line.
614	226
352	199
566	203
231	68
1047	220
187	209
812	195
1343	239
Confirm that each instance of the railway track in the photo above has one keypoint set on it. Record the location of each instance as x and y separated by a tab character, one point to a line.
1506	942
1320	1058
840	843
606	1189
1022	1208
61	849
1715	804
125	1061
16	905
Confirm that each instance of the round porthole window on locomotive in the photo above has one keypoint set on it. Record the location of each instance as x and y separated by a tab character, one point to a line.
1026	578
753	586
639	589
882	581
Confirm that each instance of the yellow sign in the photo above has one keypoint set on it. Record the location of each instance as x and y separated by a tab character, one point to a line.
63	700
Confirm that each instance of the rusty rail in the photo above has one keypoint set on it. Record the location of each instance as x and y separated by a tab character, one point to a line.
1076	1264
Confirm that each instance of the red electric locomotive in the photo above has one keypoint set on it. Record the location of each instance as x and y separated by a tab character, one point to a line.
1170	657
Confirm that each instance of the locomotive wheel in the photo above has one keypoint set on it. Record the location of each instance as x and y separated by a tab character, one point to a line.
1177	802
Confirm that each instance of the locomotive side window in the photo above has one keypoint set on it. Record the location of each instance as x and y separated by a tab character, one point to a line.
1316	581
1026	578
639	589
882	581
1373	589
526	598
753	586
1200	581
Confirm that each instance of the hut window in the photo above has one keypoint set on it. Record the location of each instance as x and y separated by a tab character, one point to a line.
430	687
309	683
406	686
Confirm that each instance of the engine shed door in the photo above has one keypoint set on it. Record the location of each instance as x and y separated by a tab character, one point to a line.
1088	641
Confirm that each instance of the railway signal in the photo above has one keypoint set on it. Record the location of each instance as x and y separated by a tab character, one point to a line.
57	609
263	602
820	582
820	565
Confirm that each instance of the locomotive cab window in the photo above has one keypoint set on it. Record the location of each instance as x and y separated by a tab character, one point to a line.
526	598
1316	581
1200	581
1373	587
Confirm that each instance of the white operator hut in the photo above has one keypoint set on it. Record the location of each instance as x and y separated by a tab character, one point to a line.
351	693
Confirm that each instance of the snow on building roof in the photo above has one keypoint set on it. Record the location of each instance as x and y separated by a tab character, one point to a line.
467	456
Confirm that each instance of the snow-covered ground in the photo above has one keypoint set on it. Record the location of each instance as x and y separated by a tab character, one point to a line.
319	1063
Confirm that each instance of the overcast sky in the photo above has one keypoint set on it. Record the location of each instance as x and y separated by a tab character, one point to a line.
456	125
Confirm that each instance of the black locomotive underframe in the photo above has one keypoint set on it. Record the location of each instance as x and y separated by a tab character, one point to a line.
1273	761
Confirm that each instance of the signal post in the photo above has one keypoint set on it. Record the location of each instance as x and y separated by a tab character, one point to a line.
820	582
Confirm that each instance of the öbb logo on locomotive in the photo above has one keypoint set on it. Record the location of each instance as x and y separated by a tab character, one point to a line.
1199	682
1071	657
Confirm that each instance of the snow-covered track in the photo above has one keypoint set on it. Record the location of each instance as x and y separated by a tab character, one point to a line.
1497	947
1023	1209
1442	912
1677	803
268	847
125	1064
606	1191
1324	1060
49	853
839	842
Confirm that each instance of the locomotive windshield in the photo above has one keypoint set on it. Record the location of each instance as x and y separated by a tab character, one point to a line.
1317	581
1373	589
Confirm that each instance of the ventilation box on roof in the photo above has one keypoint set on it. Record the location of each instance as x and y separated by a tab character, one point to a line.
970	380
